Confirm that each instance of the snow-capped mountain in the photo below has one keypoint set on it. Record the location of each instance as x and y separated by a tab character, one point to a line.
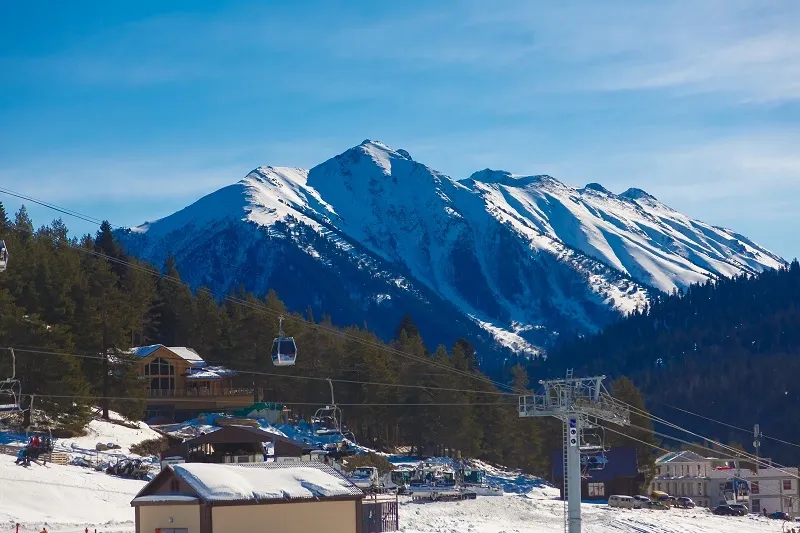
372	234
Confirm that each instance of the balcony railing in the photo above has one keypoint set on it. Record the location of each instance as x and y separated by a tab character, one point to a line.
201	393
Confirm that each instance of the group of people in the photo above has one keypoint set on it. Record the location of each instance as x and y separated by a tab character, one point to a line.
33	450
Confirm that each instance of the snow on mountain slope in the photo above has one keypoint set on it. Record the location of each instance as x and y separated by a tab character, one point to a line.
632	232
372	234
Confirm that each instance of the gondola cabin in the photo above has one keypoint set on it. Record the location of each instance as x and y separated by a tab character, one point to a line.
284	351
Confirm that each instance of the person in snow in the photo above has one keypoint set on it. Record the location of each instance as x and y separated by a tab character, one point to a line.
21	456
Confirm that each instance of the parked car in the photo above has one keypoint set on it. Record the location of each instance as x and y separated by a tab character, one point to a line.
740	507
655	506
625	502
779	515
640	498
684	503
727	510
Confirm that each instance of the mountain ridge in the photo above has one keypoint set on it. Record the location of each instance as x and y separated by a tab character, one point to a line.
523	259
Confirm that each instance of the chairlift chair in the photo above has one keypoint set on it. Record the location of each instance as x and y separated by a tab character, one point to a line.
328	420
284	349
3	256
593	457
11	390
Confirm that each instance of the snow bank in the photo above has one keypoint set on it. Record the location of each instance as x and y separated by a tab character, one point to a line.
103	431
215	482
97	431
66	498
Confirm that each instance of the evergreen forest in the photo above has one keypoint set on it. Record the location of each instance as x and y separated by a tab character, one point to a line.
66	303
727	350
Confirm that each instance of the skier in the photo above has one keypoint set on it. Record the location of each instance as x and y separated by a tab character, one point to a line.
21	456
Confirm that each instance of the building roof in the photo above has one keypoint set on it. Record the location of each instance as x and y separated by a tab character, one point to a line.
233	434
260	482
187	354
209	372
621	462
685	456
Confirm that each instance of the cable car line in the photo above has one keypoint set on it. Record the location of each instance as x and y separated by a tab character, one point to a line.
264	309
362	404
93	220
275	374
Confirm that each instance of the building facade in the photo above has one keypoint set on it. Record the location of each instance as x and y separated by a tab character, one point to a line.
711	481
618	475
216	498
181	385
774	490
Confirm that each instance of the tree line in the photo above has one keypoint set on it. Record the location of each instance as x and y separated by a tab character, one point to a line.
68	301
727	350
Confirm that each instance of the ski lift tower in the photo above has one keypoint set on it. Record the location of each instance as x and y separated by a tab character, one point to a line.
578	403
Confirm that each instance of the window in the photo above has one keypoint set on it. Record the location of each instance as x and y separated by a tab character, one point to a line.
162	383
699	469
658	486
787	484
754	488
756	505
159	367
699	489
597	489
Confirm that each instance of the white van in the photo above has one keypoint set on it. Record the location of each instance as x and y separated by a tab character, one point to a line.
623	502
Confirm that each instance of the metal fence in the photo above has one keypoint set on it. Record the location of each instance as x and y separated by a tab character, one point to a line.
379	514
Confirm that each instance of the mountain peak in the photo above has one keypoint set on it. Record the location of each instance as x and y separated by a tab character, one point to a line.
597	188
503	177
637	194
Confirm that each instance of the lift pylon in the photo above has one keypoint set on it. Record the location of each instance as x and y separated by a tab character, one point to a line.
578	403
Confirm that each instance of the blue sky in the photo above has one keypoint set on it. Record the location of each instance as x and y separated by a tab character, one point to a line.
130	111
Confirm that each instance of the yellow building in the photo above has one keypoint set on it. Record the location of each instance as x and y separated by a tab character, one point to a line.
265	497
181	385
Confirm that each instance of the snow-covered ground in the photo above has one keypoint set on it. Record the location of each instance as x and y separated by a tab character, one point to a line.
64	499
67	499
536	512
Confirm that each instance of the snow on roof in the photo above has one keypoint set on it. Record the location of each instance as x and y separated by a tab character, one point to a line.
187	354
164	498
209	372
685	456
265	481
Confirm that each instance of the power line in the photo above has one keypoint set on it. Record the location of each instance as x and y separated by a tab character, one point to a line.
633	438
264	309
273	374
54	207
728	425
737	453
195	399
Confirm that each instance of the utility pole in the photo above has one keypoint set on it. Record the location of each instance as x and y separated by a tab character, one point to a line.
756	442
577	402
